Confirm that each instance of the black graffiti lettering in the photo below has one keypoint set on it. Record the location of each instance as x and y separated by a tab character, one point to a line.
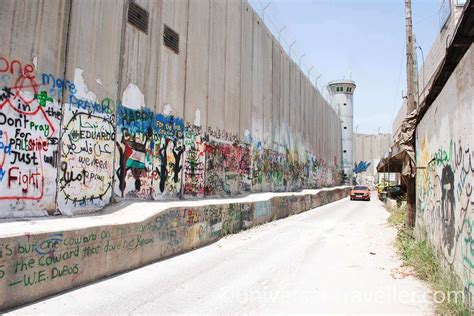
68	176
20	122
27	158
6	94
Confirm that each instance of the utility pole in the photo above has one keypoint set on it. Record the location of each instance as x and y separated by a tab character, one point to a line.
410	48
411	106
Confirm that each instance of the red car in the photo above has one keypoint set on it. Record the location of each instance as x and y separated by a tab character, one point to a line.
360	192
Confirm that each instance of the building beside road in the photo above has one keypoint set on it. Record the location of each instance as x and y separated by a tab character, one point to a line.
442	128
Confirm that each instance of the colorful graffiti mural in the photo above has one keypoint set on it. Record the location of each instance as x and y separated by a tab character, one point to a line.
150	149
29	129
62	149
445	203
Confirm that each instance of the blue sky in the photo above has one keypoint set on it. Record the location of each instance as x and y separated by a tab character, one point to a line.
362	38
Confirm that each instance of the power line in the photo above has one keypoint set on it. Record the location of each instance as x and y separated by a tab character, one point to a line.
426	19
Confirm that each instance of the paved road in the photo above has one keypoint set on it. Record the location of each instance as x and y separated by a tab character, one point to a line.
336	258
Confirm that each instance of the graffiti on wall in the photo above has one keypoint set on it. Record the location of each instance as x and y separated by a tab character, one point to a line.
63	149
194	161
86	166
63	259
150	150
29	129
134	145
360	167
445	202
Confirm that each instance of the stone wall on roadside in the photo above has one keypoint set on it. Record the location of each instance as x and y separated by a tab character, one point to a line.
445	175
36	265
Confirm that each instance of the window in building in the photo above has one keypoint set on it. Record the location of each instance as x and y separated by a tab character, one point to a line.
138	17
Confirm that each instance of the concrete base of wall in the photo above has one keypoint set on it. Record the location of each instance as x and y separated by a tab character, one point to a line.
44	257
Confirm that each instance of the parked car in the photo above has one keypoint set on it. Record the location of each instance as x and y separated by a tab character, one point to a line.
395	192
360	192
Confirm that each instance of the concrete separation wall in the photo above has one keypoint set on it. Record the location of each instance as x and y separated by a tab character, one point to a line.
368	150
94	110
45	257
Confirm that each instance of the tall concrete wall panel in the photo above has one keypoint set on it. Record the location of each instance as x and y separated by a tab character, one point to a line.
285	104
197	63
267	141
38	29
305	112
257	103
33	42
276	94
246	71
257	78
312	121
142	57
89	108
95	109
217	63
91	57
233	67
368	150
267	89
173	66
293	79
296	111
